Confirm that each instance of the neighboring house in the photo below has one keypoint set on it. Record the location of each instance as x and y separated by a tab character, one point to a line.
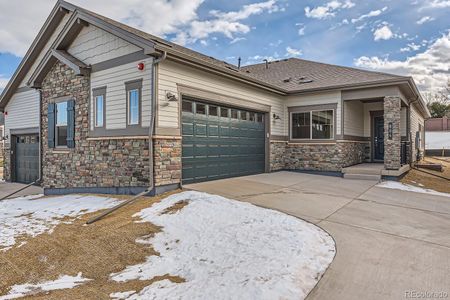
87	88
437	136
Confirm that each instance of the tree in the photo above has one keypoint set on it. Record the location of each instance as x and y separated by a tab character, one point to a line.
439	103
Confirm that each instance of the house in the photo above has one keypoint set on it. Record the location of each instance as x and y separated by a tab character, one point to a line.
98	106
437	136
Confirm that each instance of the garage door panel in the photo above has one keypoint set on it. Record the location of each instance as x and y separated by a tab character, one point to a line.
226	143
26	158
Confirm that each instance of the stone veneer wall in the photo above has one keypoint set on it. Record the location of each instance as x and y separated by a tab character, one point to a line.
93	162
316	157
392	108
167	153
6	162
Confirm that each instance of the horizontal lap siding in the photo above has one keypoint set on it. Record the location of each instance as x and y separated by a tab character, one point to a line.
171	73
114	79
368	107
94	45
315	99
416	119
23	111
354	118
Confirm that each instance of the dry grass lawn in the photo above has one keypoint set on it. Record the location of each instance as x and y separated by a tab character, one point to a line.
424	180
96	250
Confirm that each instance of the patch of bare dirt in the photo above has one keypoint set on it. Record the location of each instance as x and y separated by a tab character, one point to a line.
96	250
175	208
422	179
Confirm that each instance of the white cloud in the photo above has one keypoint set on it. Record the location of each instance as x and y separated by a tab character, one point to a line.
438	3
430	68
260	58
236	40
293	52
328	10
373	13
301	29
383	33
411	47
3	82
226	23
425	20
159	17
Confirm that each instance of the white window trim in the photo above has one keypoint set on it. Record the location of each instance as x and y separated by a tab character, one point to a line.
129	107
333	124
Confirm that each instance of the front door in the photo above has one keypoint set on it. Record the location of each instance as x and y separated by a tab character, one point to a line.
378	140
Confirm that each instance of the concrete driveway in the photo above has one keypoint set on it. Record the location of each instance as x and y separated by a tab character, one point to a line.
7	188
391	244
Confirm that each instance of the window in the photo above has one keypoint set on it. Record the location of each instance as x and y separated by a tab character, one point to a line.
200	109
301	123
99	109
234	114
134	99
260	118
224	112
322	124
61	124
315	125
99	95
212	110
133	107
187	106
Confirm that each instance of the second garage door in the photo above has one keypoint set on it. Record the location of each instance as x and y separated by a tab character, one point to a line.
220	142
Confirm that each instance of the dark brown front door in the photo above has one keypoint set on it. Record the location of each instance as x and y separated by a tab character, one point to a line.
378	138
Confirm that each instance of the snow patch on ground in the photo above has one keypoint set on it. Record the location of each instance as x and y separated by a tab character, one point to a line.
410	188
63	282
230	249
30	216
121	295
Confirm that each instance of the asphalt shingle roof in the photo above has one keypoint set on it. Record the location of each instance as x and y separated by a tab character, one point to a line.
295	74
287	75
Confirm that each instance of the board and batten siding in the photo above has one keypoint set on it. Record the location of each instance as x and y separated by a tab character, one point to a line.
116	106
94	45
44	51
23	111
315	99
171	74
354	118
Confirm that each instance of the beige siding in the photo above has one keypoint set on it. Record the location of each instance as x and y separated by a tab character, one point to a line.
114	79
94	45
45	49
416	119
316	99
403	123
172	74
23	111
368	107
354	118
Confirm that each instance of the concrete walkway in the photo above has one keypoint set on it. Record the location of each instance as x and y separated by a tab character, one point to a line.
7	188
389	242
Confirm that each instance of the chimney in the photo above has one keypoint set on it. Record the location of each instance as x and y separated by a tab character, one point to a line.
267	63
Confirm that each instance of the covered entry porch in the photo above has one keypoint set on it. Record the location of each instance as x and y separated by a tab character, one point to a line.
379	117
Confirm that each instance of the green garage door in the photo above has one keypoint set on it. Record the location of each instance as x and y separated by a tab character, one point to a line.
221	142
26	158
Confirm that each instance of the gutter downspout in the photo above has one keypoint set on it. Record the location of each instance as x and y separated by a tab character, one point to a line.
151	185
153	118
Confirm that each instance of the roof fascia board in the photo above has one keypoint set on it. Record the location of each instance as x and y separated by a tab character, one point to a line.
175	56
51	23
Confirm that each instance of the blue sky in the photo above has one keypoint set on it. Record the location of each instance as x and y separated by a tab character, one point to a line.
407	37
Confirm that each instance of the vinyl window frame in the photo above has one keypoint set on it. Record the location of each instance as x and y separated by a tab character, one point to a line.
132	86
97	92
56	102
310	109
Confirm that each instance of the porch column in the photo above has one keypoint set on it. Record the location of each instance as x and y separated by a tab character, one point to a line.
392	135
